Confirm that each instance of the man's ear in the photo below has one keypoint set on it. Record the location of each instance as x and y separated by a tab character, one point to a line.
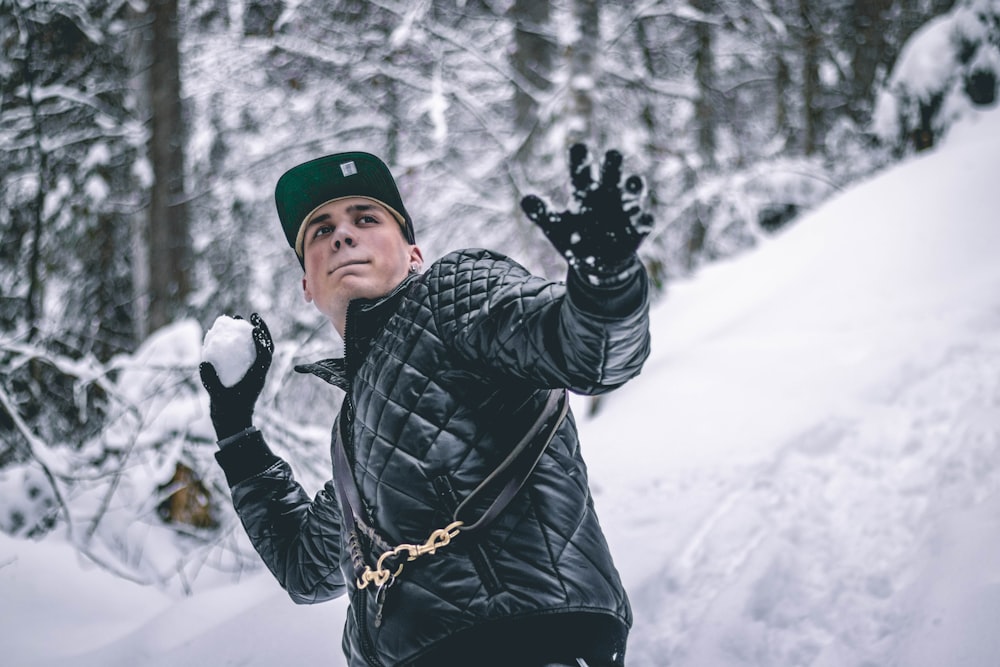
416	257
306	294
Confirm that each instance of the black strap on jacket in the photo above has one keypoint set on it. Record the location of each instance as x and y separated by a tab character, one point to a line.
508	478
515	469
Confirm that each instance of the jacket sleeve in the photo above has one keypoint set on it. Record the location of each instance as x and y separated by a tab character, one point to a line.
586	338
297	538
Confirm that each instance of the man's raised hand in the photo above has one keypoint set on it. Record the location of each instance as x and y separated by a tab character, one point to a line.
600	237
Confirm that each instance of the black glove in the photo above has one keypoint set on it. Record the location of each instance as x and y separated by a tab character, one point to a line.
232	407
600	238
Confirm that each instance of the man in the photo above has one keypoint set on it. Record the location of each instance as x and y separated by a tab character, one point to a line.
459	518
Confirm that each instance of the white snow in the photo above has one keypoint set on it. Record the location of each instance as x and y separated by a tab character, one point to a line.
805	474
229	347
928	60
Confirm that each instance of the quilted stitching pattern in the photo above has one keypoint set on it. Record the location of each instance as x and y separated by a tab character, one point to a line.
444	391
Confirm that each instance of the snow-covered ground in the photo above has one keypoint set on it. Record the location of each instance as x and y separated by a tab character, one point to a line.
806	473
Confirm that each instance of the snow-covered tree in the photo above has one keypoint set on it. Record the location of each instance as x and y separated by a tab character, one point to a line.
68	143
740	114
68	140
949	66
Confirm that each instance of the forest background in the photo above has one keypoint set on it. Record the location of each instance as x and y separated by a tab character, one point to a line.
140	142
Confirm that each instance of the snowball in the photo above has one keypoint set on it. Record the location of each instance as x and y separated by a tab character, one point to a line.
229	347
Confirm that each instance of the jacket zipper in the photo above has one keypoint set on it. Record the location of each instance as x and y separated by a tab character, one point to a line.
361	619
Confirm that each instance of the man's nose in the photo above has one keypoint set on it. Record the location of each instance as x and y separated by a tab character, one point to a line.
342	238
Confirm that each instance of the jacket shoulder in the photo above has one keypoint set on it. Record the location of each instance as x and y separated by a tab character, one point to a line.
474	261
462	280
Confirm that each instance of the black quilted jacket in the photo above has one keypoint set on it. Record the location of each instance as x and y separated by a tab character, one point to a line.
442	377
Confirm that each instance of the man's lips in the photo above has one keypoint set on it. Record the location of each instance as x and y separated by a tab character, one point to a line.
353	262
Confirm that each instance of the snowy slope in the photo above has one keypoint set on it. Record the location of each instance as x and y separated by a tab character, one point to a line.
813	451
806	473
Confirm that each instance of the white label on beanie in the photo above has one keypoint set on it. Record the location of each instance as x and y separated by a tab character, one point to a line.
348	168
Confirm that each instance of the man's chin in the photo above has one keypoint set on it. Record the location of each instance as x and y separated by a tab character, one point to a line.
352	286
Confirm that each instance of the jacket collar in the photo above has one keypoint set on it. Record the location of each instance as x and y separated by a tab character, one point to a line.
365	319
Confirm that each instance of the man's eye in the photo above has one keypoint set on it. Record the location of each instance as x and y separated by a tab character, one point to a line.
368	219
322	230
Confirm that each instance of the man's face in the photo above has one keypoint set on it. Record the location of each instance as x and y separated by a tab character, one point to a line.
353	248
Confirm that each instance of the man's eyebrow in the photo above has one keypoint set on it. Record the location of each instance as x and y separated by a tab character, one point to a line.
353	208
323	217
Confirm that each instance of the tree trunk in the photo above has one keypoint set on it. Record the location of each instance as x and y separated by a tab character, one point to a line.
782	84
812	113
868	29
583	71
531	58
113	304
167	236
34	301
704	75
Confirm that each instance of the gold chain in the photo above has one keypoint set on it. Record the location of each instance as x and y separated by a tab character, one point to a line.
380	576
